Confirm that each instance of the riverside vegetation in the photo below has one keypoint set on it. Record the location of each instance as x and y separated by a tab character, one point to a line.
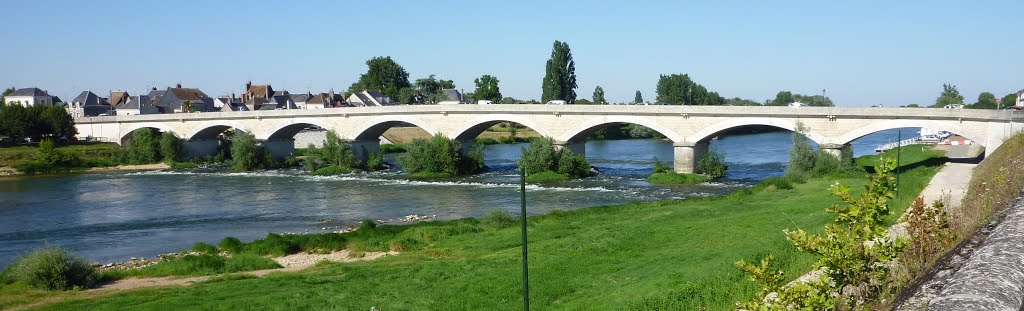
542	163
711	166
665	255
440	157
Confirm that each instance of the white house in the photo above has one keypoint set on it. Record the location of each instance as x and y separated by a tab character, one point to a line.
370	98
137	105
453	97
29	97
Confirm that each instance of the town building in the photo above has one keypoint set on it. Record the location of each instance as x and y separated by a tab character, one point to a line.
369	98
137	105
453	97
178	99
29	97
118	98
88	104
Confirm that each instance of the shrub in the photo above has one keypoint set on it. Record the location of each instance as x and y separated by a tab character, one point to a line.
333	170
540	157
440	154
856	271
498	219
273	244
170	147
391	148
780	183
53	268
142	147
486	141
375	161
546	176
204	248
672	178
929	231
712	165
247	154
231	244
660	167
802	156
182	165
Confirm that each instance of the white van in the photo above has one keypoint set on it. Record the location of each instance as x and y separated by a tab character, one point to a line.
557	102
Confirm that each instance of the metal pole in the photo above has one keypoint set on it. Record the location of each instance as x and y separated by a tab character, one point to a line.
526	271
899	149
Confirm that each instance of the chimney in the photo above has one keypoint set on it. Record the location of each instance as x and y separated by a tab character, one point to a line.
154	88
178	85
248	85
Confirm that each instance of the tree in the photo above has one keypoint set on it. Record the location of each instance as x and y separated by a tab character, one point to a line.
949	97
638	99
783	98
599	96
487	89
1009	100
678	89
584	101
560	77
429	89
736	101
8	91
384	74
986	100
247	154
170	147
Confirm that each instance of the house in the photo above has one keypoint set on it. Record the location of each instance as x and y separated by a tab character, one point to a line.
300	100
118	98
229	103
1020	99
326	100
177	99
29	97
368	98
88	104
137	105
453	97
264	91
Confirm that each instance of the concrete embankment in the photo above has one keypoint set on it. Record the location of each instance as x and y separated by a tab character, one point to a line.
993	277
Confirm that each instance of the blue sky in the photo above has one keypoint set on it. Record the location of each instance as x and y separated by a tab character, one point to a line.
861	52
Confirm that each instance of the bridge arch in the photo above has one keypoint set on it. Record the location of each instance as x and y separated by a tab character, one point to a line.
137	126
290	129
580	133
712	131
978	136
476	127
373	129
210	130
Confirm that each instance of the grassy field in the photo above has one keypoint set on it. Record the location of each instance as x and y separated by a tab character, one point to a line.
665	255
11	156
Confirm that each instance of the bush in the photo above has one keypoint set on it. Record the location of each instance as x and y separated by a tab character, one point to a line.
671	178
498	219
273	245
540	157
391	148
440	154
182	165
170	147
333	170
230	244
247	154
802	156
204	248
142	147
781	183
712	165
375	161
660	167
546	176
50	160
53	268
486	141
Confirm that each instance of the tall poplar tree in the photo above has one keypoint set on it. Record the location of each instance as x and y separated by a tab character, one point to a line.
638	99
599	96
560	77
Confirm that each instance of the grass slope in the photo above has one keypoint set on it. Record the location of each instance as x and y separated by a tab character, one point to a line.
666	255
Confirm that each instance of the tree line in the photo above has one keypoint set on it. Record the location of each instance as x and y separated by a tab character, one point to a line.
18	123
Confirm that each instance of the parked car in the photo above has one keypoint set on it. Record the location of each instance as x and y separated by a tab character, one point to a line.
557	102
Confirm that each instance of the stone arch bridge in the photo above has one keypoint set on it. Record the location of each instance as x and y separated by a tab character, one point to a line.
690	128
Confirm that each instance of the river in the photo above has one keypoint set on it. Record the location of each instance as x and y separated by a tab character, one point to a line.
114	216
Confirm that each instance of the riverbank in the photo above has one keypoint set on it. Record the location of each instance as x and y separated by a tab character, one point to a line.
671	254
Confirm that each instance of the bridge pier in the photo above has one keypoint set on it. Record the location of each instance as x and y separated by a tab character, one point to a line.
363	149
467	144
280	148
836	150
686	155
579	148
199	148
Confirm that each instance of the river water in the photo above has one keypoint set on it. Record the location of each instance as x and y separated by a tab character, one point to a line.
114	216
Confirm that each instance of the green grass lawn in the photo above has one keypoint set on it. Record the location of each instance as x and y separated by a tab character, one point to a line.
11	156
665	255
